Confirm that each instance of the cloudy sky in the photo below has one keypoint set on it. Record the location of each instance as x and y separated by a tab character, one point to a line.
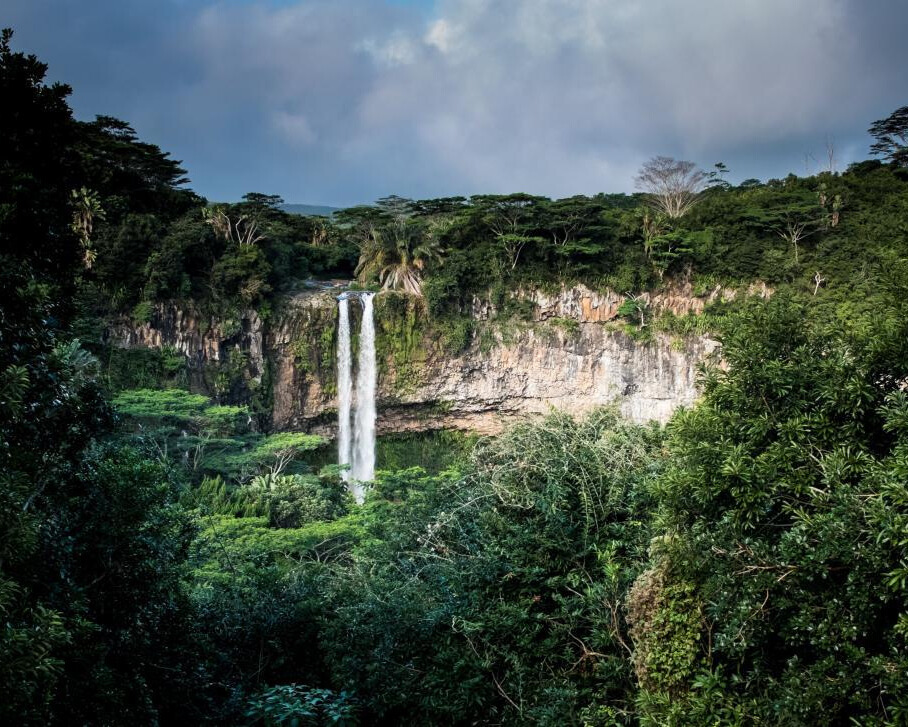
344	101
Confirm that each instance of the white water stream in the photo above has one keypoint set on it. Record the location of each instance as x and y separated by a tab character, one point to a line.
360	449
344	386
364	416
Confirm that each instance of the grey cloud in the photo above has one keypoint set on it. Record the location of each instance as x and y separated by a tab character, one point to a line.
346	101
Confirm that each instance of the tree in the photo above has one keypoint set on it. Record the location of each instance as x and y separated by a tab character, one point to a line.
783	565
399	208
37	170
498	596
123	250
130	175
263	204
793	216
794	228
91	539
86	209
891	136
240	230
672	186
569	218
716	177
653	226
635	305
510	218
397	252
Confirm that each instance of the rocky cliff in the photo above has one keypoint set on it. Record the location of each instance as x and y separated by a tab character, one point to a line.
566	353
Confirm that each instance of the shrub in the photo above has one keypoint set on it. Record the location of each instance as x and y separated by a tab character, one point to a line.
295	500
142	312
297	704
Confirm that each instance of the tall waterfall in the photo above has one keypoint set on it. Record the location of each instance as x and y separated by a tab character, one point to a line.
344	386
364	418
358	449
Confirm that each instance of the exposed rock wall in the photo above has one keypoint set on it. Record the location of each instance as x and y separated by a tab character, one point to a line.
567	358
199	338
534	371
590	306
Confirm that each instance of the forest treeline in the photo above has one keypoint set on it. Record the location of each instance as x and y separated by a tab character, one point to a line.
828	233
162	561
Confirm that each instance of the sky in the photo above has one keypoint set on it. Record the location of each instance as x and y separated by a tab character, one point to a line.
342	102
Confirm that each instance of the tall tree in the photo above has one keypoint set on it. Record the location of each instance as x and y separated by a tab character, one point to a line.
398	252
91	542
511	218
778	593
37	169
891	136
672	186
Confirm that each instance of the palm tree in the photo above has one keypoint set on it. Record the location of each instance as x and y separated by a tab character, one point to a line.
397	253
86	209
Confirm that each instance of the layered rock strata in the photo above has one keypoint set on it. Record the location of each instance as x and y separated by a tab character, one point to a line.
570	356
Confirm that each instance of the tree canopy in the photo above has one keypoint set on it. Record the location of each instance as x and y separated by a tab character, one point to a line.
891	137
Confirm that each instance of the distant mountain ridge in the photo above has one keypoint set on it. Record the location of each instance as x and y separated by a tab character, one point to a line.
314	210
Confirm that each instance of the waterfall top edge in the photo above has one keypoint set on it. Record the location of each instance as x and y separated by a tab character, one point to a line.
347	294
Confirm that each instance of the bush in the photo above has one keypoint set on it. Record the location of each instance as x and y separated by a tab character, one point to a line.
297	704
665	619
296	500
456	334
772	508
142	312
498	595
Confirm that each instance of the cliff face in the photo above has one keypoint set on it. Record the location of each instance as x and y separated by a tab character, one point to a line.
567	357
533	371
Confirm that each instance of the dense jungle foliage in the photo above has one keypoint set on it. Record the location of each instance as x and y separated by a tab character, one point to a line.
165	561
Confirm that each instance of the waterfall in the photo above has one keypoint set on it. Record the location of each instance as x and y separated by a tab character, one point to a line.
358	449
364	418
344	386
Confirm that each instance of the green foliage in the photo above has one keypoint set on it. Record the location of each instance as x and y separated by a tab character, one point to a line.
302	355
455	334
631	308
174	404
433	451
92	538
715	316
127	562
891	135
188	429
527	554
38	169
227	545
770	507
142	312
665	618
314	345
570	326
397	251
295	500
400	336
30	647
751	570
281	442
297	704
